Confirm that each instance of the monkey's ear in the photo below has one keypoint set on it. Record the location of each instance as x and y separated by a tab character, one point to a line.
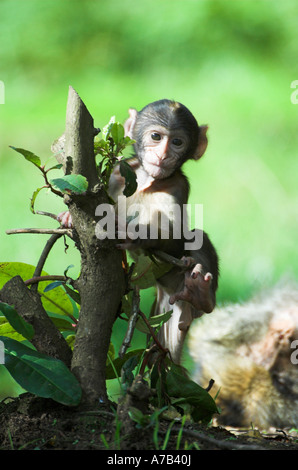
130	122
202	144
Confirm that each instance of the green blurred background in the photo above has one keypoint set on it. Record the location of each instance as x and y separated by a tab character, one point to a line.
231	62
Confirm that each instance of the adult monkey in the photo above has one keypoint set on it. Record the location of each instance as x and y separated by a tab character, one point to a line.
167	135
250	351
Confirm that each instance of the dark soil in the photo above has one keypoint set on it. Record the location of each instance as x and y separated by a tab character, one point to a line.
31	423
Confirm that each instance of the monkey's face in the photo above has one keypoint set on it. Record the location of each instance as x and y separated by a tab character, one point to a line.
162	151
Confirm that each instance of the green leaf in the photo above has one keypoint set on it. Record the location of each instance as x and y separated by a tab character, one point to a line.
53	285
127	376
40	374
146	271
142	274
73	294
31	157
61	323
7	330
136	415
117	132
107	129
70	339
188	392
158	320
130	178
68	184
111	353
101	146
127	303
128	141
56	301
157	381
160	268
118	363
155	321
17	322
55	167
34	196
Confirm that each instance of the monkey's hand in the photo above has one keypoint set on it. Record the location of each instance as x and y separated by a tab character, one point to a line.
65	219
197	288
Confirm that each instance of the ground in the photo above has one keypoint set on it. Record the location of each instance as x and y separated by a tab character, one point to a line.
30	423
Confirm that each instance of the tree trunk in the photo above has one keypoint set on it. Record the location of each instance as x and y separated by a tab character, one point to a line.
101	283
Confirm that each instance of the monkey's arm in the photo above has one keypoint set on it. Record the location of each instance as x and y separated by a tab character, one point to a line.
197	285
188	294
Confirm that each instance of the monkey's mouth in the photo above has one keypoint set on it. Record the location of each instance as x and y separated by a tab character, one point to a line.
156	170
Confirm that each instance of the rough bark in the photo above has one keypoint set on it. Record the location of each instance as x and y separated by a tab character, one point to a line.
101	282
47	338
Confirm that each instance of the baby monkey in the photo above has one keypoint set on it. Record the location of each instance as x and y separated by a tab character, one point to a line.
250	351
167	135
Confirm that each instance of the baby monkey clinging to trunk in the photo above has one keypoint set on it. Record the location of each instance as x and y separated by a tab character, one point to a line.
167	135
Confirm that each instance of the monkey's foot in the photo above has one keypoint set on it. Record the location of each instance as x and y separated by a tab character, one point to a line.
197	288
65	219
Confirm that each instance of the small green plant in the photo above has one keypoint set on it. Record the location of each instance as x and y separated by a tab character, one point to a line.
104	441
35	372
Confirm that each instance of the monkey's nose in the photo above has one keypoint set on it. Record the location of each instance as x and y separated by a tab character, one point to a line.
162	150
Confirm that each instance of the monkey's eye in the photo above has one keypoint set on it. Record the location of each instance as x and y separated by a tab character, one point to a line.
177	142
155	136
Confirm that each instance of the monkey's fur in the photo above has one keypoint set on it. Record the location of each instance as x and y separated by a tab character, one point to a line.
247	349
167	135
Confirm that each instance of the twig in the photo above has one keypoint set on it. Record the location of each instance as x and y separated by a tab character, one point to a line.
132	321
229	445
43	231
152	332
37	279
45	252
47	214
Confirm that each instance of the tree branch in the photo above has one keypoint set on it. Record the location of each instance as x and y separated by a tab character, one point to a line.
45	252
47	339
132	322
42	231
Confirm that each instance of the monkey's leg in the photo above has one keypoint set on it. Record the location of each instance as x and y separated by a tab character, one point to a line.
172	333
65	219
